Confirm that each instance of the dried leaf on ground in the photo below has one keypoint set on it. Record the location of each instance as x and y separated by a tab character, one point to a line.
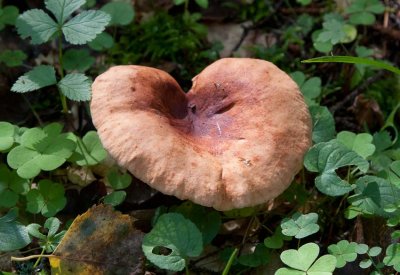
99	242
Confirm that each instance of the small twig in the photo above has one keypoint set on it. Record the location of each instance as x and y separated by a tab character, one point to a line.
27	258
35	114
350	97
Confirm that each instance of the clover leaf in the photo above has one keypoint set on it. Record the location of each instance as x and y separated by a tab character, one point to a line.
117	181
89	150
304	261
310	88
373	194
49	241
47	199
300	226
325	158
361	143
11	186
276	240
344	252
40	149
172	241
362	11
7	135
392	257
80	29
13	235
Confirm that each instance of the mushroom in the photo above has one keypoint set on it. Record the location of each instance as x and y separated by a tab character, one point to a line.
236	139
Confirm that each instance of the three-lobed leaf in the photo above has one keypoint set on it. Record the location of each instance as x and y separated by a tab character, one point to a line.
362	143
11	186
37	25
344	251
178	236
89	150
299	225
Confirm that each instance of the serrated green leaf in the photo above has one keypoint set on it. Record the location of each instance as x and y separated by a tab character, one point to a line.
85	26
39	77
115	198
373	194
121	13
359	143
117	180
344	252
323	124
77	59
102	42
176	234
76	87
299	225
37	25
7	133
9	15
12	58
48	199
13	235
62	9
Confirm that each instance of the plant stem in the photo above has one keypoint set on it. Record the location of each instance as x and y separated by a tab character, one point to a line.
39	258
186	267
27	258
230	262
61	71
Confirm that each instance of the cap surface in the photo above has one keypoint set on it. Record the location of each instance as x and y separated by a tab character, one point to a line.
236	139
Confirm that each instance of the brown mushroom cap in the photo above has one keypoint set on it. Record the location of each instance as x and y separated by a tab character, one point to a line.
236	139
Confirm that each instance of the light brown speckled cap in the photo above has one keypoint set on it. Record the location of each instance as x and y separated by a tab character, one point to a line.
236	139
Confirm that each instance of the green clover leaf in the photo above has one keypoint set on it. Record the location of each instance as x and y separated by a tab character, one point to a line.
300	226
276	240
89	151
11	186
177	236
310	88
40	149
50	241
115	198
13	235
392	257
344	252
362	11
304	261
7	135
47	199
118	180
325	158
359	143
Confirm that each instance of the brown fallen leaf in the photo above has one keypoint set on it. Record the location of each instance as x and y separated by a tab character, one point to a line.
100	241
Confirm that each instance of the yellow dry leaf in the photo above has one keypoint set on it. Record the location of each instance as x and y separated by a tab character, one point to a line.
100	241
